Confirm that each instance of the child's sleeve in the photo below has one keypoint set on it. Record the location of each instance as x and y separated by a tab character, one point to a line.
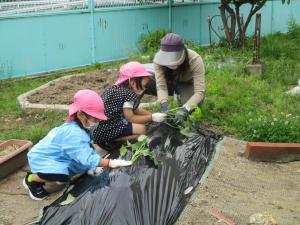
130	100
128	105
82	153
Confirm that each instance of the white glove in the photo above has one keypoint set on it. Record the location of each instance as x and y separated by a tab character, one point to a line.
158	117
95	172
114	163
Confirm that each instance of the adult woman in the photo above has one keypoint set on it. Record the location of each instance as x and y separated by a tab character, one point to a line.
179	72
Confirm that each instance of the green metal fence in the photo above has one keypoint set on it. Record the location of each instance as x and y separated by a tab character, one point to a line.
71	33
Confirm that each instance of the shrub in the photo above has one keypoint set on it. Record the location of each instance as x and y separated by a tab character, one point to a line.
271	128
150	43
294	30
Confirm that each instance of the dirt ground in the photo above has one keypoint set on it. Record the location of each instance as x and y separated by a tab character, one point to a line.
8	149
240	188
62	92
16	208
236	187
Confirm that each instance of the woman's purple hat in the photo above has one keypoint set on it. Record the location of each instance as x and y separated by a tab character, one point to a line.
172	51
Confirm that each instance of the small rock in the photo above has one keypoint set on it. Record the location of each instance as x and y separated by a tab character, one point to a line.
188	190
295	90
215	196
261	219
203	202
18	119
241	153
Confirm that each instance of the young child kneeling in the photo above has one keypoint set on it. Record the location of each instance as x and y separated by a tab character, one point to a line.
66	150
125	120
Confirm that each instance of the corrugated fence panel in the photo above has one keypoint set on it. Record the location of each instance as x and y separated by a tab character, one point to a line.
281	16
206	11
296	10
187	24
117	32
40	42
21	47
67	41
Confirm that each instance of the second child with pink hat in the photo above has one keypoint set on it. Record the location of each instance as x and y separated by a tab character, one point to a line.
125	121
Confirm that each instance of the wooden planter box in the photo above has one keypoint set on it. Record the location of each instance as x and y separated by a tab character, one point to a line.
14	159
273	152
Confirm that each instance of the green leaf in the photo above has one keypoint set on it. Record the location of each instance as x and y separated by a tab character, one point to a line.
123	151
196	114
70	198
142	138
186	132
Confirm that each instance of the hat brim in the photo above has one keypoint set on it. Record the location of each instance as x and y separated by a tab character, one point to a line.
169	58
122	80
97	115
74	109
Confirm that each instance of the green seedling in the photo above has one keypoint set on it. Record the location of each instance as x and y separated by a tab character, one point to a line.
186	126
139	149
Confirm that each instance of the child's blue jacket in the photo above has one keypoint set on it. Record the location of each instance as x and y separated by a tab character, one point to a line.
65	150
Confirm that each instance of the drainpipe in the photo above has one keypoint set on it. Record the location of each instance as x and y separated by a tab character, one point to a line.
92	8
170	14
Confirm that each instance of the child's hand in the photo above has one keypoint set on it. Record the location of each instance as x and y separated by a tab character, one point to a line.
159	117
114	163
95	172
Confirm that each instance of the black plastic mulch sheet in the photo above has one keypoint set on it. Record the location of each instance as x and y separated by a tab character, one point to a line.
141	194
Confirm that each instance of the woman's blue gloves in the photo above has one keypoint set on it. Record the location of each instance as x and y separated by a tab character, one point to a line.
164	107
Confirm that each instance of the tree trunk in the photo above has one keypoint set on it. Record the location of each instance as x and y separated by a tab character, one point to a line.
225	25
236	18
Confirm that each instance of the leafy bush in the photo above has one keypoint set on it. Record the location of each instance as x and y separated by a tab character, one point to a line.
280	45
282	71
280	128
294	30
150	43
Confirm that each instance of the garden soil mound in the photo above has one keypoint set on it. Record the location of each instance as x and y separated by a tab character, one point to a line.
63	90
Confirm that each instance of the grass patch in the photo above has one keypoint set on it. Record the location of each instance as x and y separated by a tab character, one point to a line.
246	105
32	126
253	108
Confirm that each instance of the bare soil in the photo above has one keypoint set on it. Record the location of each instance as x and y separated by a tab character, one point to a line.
239	188
236	187
16	208
5	150
62	91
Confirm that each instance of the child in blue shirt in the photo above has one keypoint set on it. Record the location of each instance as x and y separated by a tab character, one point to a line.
67	149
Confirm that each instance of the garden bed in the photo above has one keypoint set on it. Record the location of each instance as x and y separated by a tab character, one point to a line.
58	94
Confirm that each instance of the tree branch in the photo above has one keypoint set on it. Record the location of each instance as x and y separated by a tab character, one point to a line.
253	11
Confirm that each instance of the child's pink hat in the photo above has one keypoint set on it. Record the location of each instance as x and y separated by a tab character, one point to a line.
89	102
131	70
